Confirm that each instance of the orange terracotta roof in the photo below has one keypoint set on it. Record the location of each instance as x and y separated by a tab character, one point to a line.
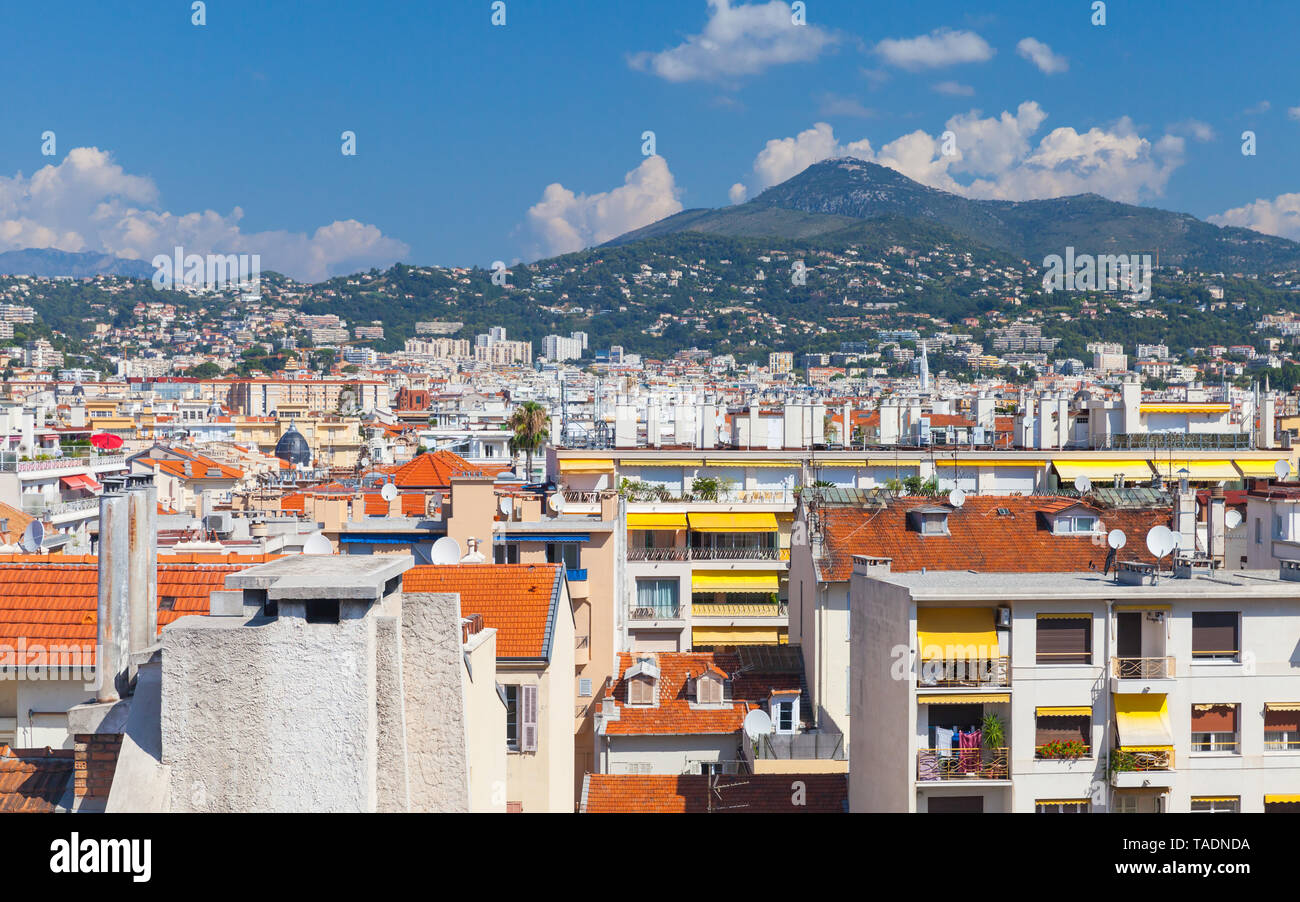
53	605
675	713
434	470
979	537
519	601
33	780
688	794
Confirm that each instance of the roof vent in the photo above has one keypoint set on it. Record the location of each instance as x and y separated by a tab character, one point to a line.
1135	573
1185	567
1289	570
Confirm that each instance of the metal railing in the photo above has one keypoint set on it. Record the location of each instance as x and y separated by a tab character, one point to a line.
744	496
975	673
1062	751
1214	742
762	609
12	462
1142	668
802	747
658	554
963	764
1281	745
1191	441
581	497
581	642
680	553
1155	759
662	612
41	507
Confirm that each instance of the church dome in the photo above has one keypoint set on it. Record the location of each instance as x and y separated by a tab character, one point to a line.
293	448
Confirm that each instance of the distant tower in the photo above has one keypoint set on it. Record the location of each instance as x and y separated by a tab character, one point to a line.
924	369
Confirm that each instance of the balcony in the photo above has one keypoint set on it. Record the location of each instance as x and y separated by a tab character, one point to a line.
662	495
735	554
578	585
985	673
11	462
760	609
658	554
54	510
802	753
1191	441
1138	675
581	650
644	615
1139	769
962	765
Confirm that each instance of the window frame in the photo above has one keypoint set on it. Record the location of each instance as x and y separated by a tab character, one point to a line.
1217	655
1090	643
511	691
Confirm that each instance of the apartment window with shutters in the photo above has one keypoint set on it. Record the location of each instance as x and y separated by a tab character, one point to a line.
527	718
1282	727
1063	736
584	687
640	691
1214	728
1215	636
1216	804
512	717
1063	639
708	691
505	553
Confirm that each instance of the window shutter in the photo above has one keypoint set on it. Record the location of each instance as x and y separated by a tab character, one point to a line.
1063	729
584	687
528	719
1214	632
1064	640
1214	718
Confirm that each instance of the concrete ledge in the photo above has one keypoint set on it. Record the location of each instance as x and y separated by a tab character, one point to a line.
99	717
311	576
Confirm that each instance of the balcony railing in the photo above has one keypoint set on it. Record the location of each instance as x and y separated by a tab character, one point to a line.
958	674
658	554
963	764
1281	745
1192	441
41	508
11	462
802	747
678	553
1214	742
576	575
581	497
1062	750
708	609
658	612
741	496
1142	668
1128	762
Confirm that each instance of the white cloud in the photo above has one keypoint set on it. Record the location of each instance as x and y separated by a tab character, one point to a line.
941	47
1279	216
737	40
89	203
565	222
1294	112
1262	107
837	105
1042	56
1193	128
998	157
955	88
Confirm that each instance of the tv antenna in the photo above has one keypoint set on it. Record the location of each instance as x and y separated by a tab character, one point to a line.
956	497
1282	469
556	502
1232	519
1116	540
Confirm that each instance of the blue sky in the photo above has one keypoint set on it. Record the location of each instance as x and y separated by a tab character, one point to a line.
226	137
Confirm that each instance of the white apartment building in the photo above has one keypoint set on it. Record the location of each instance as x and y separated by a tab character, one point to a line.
1112	695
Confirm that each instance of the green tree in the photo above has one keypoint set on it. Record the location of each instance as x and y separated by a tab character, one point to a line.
530	424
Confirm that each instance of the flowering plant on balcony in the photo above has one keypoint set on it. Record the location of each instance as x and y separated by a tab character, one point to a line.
1062	748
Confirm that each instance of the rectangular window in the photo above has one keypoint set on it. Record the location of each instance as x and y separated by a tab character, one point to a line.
1064	806
1066	737
528	718
1216	804
565	553
1214	728
657	598
708	691
640	691
1282	729
1215	636
785	717
505	553
1259	531
512	717
1064	640
584	687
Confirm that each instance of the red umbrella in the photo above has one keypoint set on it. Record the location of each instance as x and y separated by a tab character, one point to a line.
106	441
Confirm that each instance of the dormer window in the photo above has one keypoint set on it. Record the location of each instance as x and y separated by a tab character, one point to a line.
783	706
929	521
710	688
643	682
1076	521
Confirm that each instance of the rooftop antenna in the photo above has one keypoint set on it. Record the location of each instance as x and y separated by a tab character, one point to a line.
757	724
445	551
1084	485
1116	539
556	502
507	506
956	497
1282	469
1232	519
1161	542
33	538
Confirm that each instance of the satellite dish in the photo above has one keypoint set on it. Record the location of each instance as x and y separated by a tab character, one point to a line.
445	551
1282	469
33	537
507	506
757	724
1083	484
1116	539
1232	519
317	544
956	497
1161	541
556	502
388	492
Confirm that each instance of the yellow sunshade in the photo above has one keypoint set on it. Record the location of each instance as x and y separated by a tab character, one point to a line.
1256	468
1212	407
1042	802
961	462
1282	706
1281	800
734	581
749	522
1102	468
1144	607
1216	798
738	635
792	464
951	634
691	462
575	465
656	521
1052	615
1079	711
1198	469
988	698
1143	721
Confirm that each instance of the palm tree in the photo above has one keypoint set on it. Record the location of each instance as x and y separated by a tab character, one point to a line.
530	424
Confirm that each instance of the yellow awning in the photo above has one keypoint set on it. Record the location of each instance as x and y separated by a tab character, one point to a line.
1211	407
1102	468
1052	615
1004	462
951	634
1282	706
747	522
988	698
735	581
793	464
738	635
675	462
1216	798
1143	721
1197	469
1041	802
1281	799
1256	468
576	465
1144	607
1077	711
656	521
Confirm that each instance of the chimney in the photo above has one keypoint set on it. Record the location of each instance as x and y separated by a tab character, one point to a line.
1185	517
1216	526
142	566
111	633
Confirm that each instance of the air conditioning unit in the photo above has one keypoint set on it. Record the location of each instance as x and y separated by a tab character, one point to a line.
220	522
1004	617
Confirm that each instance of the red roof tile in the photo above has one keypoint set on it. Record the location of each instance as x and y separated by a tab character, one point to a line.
519	601
33	780
435	469
740	794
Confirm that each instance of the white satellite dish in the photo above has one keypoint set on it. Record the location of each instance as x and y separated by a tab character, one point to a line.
317	544
1116	539
1161	541
1083	484
445	551
507	506
757	724
1232	519
33	537
956	497
1282	469
388	492
556	502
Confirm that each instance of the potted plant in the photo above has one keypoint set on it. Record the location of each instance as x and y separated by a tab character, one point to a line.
1062	748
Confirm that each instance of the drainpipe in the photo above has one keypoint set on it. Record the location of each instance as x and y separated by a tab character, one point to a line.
1105	676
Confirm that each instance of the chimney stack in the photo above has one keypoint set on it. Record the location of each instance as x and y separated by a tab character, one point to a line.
111	631
1216	526
142	557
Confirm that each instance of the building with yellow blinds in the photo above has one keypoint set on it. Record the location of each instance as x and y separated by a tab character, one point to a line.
952	634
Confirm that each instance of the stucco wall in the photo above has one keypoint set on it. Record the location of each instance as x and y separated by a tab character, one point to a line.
882	752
